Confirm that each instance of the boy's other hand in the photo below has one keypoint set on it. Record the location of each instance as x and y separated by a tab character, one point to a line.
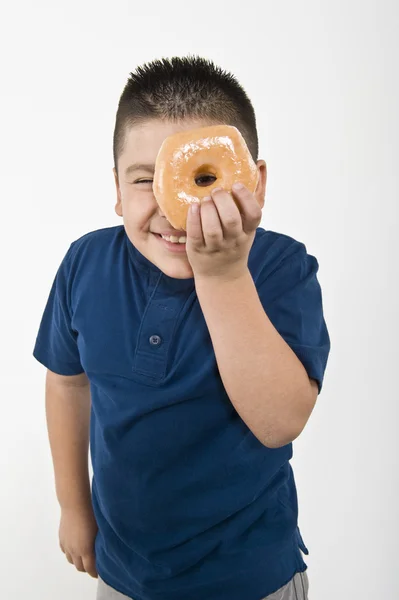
77	533
220	233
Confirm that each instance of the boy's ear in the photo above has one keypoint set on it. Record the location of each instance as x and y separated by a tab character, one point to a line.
118	205
260	191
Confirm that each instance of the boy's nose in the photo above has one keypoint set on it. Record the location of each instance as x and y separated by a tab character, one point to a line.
160	212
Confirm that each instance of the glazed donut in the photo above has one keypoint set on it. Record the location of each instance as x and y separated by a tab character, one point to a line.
187	161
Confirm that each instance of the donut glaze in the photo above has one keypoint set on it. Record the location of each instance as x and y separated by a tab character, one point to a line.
190	164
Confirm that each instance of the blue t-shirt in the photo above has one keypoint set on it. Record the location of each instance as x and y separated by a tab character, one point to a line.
190	505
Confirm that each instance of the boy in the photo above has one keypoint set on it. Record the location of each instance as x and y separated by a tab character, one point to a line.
195	368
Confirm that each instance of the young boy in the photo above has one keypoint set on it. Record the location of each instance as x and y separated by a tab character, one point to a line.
194	367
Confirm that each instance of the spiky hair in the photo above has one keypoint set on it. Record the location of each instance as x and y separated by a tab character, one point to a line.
184	88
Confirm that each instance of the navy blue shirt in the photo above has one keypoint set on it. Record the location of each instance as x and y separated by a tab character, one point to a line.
189	503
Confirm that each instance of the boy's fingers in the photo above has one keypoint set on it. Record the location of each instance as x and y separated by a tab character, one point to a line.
89	563
229	213
79	564
251	212
194	226
211	225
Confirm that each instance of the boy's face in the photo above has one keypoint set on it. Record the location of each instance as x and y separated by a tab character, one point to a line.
143	219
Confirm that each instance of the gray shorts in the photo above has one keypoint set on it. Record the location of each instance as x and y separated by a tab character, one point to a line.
296	589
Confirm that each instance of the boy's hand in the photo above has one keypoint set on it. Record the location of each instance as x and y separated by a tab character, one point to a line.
220	234
78	529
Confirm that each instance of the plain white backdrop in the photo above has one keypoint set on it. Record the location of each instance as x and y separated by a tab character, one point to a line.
323	77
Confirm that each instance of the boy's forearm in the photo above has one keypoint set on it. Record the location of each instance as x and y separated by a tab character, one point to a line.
265	381
68	423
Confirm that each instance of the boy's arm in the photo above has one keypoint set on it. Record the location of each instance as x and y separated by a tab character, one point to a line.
266	382
68	417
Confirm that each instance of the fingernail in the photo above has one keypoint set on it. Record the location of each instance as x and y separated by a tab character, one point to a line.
237	187
217	189
206	199
195	208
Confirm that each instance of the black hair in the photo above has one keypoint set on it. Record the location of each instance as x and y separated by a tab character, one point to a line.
182	88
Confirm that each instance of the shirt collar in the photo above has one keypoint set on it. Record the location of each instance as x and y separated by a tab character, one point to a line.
146	265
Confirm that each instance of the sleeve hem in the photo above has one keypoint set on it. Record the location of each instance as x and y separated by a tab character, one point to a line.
59	367
311	361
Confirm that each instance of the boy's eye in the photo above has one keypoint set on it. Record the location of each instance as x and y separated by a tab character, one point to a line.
204	180
143	181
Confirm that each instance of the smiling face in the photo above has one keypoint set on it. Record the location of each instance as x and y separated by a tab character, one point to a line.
143	219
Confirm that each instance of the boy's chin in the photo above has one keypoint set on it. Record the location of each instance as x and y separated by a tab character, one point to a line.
179	271
175	266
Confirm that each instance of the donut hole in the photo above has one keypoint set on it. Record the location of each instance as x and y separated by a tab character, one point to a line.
205	176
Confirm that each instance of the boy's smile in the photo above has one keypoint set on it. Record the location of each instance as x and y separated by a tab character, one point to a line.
173	242
145	223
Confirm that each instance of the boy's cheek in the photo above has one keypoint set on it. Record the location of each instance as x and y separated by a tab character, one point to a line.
138	214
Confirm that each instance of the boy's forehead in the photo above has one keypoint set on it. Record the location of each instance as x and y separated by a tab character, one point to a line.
143	141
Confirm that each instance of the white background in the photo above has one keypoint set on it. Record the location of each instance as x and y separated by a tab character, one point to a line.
323	77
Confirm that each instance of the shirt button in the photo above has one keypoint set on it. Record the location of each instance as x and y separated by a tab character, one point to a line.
155	340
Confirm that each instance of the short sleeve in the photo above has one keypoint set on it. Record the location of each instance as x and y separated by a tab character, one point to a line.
56	343
292	298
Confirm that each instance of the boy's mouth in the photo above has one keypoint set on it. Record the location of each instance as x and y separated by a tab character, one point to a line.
174	239
173	243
